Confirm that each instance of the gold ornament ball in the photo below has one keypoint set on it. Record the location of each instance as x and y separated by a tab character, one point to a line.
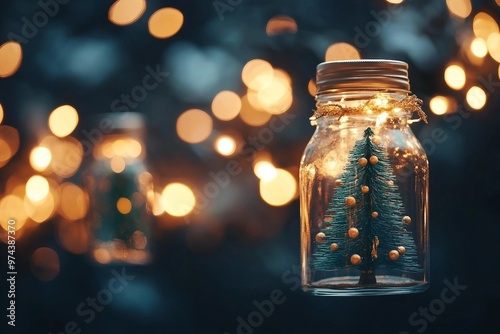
407	219
338	183
376	140
393	255
353	233
401	250
390	183
365	189
320	237
373	159
374	214
334	247
350	201
355	259
362	162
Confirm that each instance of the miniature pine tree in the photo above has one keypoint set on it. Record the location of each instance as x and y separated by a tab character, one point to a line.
365	223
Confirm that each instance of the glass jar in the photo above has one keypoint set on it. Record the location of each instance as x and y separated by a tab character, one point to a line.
364	184
120	189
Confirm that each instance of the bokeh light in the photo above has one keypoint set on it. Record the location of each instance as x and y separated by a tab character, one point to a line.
117	164
251	115
73	236
226	105
225	145
157	206
9	143
74	202
478	47
455	78
45	264
63	120
11	56
177	199
194	126
459	8
341	51
280	25
439	105
1	113
257	74
484	25
311	87
125	12
12	207
396	2
37	188
40	158
476	97
279	190
67	154
493	44
123	205
265	170
165	22
40	211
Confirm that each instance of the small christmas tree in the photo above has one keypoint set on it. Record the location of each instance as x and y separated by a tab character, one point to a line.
365	223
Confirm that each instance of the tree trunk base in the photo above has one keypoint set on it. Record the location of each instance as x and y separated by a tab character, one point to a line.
367	277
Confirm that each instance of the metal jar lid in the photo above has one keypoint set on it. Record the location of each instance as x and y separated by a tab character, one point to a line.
364	74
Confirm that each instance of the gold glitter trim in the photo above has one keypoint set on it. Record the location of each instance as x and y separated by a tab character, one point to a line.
375	105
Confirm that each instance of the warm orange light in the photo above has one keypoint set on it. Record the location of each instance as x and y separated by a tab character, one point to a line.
265	170
40	211
226	105
73	236
165	22
12	212
493	44
311	87
1	113
251	115
117	164
484	25
123	205
11	56
341	51
455	78
279	190
194	126
178	199
439	105
478	47
459	8
257	74
225	145
9	143
396	2
102	255
74	202
281	24
125	12
45	264
37	188
476	97
40	158
63	120
67	154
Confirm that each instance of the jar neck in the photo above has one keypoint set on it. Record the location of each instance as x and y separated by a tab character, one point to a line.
368	105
